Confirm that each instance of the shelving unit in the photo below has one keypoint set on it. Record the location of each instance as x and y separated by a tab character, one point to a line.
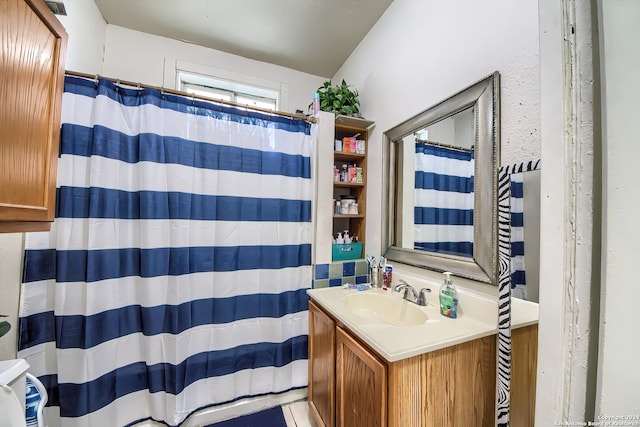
356	223
326	222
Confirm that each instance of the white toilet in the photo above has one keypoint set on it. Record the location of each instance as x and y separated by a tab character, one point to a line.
12	392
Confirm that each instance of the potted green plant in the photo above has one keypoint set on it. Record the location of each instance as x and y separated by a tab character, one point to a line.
339	99
4	326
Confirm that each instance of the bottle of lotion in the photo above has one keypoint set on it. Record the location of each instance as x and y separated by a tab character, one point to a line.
448	298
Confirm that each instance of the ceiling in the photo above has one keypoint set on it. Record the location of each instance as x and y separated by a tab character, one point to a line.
313	36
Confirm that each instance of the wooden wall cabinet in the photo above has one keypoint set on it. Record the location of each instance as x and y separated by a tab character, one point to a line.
454	386
32	52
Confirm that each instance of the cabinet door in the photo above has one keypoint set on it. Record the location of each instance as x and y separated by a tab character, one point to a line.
32	51
361	385
321	366
524	364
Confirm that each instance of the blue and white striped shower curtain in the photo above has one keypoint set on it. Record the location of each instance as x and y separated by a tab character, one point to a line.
518	275
175	274
443	206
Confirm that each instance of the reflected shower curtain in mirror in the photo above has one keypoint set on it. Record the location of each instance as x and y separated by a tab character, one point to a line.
443	206
175	274
518	271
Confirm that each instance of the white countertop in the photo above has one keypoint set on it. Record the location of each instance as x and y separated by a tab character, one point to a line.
523	313
396	343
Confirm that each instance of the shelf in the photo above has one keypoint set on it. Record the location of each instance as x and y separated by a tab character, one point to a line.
348	184
341	155
347	216
355	122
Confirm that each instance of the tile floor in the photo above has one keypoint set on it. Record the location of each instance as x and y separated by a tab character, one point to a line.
296	414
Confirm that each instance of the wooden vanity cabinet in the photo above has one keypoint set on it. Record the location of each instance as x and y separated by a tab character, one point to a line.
361	384
524	365
322	372
32	52
453	386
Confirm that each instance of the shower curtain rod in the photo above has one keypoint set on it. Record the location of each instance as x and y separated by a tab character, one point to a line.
441	144
191	95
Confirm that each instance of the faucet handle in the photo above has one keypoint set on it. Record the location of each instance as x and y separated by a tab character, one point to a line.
422	297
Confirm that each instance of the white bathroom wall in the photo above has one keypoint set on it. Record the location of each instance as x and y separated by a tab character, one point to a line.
10	269
618	369
140	57
86	29
422	51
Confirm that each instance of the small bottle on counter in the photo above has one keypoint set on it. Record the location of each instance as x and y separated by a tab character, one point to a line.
388	275
448	298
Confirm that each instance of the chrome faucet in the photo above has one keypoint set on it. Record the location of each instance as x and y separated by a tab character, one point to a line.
410	294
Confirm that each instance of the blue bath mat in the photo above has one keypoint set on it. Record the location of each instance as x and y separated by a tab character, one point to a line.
272	417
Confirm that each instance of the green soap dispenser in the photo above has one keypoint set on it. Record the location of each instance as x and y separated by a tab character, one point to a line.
448	298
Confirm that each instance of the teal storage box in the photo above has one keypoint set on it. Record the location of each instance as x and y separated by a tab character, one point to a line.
346	251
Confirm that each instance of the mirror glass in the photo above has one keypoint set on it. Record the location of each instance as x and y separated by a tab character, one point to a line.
442	185
438	187
525	232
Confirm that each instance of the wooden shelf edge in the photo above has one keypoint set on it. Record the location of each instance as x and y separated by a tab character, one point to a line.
356	122
348	155
348	184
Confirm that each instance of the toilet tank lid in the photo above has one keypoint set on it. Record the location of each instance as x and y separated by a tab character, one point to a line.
10	370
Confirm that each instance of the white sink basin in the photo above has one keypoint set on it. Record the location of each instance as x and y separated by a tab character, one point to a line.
385	308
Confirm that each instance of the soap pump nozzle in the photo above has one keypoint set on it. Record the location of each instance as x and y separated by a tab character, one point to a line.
447	278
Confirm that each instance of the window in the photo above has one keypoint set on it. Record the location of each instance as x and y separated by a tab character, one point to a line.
223	90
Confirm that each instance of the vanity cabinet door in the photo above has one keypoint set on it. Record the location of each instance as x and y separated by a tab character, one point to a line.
32	52
322	358
524	364
361	384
